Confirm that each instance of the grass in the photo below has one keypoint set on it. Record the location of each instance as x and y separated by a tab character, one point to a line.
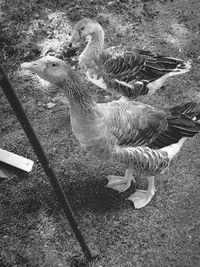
34	230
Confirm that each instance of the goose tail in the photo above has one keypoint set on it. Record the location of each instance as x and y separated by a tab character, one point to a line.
182	67
183	121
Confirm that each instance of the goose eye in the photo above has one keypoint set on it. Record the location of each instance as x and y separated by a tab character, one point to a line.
82	28
54	64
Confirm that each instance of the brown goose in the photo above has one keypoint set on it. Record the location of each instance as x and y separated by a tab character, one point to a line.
123	70
139	137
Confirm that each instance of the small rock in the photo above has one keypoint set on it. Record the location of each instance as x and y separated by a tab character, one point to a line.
2	17
50	105
119	34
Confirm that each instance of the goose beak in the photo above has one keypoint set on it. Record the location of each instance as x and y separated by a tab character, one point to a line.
75	38
34	66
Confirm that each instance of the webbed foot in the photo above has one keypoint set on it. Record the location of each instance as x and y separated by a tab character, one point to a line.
142	197
120	183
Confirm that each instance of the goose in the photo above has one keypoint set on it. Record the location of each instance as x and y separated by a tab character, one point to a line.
137	136
123	70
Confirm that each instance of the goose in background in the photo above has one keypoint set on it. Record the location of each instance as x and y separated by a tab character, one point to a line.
123	70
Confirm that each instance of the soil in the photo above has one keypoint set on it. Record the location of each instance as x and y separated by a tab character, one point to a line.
34	230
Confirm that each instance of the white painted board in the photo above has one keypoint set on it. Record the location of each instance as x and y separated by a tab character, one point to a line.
16	160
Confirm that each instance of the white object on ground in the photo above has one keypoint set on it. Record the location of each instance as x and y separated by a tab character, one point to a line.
16	160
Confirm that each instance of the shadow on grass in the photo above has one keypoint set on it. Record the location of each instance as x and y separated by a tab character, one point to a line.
27	196
94	196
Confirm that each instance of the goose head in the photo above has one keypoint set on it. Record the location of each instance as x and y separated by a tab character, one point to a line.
84	28
58	72
49	68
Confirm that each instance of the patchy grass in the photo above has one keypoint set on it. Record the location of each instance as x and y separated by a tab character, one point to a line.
34	230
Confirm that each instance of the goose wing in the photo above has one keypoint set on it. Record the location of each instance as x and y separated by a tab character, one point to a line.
134	124
137	124
130	66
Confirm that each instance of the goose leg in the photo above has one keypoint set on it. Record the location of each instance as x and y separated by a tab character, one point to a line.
120	183
142	197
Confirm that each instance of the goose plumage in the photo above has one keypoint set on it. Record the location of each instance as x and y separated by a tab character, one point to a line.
123	70
139	137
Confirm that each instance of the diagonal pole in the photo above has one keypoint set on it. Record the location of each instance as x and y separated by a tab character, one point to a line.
33	139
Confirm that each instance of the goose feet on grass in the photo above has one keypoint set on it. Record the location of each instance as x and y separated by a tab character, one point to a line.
142	197
120	183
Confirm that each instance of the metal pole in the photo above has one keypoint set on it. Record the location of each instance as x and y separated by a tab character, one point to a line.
33	139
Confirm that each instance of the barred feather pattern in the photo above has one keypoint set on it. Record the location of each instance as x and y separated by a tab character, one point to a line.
142	159
129	72
138	66
120	74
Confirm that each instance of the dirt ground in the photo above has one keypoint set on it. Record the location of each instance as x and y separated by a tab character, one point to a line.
33	228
